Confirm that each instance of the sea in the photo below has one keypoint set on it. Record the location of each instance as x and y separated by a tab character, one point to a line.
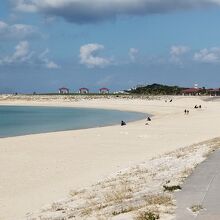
24	120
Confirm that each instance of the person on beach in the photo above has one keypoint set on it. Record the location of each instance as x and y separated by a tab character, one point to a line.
148	118
200	106
123	123
195	106
185	111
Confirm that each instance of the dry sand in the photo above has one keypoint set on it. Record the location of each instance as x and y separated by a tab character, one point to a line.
38	169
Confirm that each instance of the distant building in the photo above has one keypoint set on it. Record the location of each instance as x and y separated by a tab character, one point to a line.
104	91
83	91
121	92
192	91
64	90
214	92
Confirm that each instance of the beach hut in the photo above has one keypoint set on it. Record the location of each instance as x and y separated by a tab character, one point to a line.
83	91
104	91
191	91
63	90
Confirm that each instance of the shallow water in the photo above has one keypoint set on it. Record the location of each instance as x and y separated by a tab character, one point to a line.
23	120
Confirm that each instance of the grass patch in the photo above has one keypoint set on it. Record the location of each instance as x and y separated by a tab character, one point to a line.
172	188
159	199
119	194
196	208
122	210
147	215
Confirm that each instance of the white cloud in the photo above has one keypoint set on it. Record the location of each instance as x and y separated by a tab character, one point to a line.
176	52
82	11
211	55
23	55
133	54
17	31
23	5
47	62
88	56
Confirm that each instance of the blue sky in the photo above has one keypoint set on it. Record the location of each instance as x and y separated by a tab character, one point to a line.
45	45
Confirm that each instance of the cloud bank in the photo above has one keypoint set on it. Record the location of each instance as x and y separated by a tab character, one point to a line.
87	11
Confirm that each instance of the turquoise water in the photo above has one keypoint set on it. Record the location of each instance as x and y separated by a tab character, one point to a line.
23	120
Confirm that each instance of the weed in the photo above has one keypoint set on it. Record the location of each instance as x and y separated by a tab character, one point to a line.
171	188
196	208
147	215
159	199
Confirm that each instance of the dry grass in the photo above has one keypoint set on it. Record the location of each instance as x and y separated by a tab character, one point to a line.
136	193
119	193
196	208
76	192
159	199
147	215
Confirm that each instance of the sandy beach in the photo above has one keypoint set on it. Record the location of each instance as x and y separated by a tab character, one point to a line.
38	169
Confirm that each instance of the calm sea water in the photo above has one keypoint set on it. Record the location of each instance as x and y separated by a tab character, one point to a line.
22	120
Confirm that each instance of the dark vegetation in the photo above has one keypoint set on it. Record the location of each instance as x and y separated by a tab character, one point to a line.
171	188
157	89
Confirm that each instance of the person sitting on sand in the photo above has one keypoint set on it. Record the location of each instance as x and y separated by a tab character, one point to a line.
200	106
148	118
196	106
123	123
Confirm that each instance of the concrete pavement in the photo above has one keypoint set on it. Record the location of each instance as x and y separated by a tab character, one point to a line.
201	188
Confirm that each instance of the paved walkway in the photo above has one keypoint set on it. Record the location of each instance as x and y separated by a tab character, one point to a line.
201	188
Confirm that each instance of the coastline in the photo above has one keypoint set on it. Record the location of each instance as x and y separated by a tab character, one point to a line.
45	167
71	125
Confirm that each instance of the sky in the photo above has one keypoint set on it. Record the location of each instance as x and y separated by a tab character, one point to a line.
48	44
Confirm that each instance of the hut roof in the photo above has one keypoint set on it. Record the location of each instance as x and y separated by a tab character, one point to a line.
191	90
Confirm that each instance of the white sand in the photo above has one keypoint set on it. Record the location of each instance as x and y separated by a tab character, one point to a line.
38	169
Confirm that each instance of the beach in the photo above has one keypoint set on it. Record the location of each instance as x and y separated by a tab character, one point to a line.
36	170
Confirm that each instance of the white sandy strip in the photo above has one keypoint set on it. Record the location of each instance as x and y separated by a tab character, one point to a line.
38	169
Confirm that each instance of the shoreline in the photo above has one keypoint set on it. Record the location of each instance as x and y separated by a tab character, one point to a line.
45	167
142	116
